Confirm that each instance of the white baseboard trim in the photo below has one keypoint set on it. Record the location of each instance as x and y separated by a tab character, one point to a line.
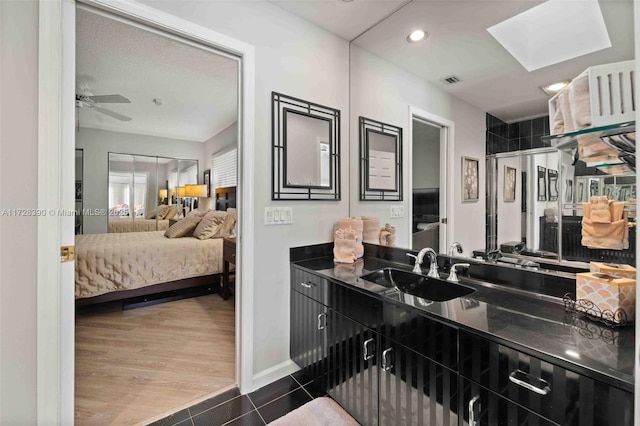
272	374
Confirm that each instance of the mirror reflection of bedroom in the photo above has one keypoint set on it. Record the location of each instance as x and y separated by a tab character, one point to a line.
156	175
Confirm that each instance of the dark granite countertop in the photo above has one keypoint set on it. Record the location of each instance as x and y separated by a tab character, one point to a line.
523	320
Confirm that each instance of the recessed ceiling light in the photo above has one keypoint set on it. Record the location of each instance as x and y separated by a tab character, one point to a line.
553	32
554	88
416	36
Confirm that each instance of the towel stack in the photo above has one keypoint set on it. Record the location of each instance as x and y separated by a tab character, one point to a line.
347	240
370	229
573	106
605	224
388	236
573	112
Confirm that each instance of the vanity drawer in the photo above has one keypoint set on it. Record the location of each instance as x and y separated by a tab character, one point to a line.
310	285
556	393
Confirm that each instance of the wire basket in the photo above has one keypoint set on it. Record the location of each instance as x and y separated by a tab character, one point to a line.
589	309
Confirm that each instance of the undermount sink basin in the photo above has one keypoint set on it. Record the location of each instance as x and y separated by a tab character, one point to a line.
418	285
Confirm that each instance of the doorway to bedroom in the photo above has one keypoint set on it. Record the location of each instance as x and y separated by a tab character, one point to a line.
156	182
425	182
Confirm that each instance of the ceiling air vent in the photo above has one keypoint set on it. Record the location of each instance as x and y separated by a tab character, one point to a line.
452	79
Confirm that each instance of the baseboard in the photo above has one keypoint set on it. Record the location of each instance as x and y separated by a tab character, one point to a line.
272	374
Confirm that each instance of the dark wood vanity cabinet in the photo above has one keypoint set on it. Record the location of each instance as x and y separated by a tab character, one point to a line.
387	364
309	336
369	359
502	376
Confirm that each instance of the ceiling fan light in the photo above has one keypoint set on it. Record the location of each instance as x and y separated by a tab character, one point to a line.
416	36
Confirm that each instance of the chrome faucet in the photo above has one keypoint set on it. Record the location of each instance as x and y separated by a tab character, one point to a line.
453	277
455	245
433	259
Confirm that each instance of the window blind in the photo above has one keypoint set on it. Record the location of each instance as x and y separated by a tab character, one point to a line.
224	169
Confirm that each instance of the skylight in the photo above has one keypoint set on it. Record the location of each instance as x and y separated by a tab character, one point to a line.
553	32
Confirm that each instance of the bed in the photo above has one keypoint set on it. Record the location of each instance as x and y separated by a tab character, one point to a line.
119	262
139	224
122	265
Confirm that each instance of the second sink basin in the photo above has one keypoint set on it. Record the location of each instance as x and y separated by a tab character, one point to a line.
418	285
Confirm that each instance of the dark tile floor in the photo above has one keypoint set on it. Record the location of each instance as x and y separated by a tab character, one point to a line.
257	408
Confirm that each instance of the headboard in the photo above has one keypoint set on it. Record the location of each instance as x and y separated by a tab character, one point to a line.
225	198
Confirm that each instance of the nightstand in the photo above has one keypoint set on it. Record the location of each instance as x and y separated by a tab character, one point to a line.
228	258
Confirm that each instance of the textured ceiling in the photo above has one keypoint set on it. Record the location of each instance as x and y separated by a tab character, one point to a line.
459	44
198	88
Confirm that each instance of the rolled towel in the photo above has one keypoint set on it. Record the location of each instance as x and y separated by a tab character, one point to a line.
383	237
565	107
558	123
391	237
371	229
580	102
344	246
356	224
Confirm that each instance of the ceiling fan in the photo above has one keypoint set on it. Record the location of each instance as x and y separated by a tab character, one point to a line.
91	101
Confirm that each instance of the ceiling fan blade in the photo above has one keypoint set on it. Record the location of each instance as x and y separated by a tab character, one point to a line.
109	99
112	114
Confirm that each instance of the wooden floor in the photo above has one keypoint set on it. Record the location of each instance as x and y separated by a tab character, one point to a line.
137	364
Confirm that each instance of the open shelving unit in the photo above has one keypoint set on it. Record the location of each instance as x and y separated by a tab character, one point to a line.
621	137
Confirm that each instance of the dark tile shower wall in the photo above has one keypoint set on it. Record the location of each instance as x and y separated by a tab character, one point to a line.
510	137
518	136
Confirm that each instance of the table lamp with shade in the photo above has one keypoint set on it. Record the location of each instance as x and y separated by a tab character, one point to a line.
195	191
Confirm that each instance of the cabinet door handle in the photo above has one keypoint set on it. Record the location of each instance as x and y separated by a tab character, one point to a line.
387	359
473	421
534	384
322	321
367	355
307	285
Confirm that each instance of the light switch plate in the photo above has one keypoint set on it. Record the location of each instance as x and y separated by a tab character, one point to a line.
278	215
397	211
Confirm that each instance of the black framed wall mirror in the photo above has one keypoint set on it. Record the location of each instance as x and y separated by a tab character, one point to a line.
306	150
380	161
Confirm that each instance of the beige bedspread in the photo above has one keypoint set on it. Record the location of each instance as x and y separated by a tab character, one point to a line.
124	261
125	224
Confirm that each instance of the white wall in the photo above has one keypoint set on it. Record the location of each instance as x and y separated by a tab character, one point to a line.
383	92
509	215
225	138
98	143
298	59
18	189
426	156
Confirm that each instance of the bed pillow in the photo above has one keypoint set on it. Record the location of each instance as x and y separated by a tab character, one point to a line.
210	224
171	213
162	211
198	212
183	227
226	230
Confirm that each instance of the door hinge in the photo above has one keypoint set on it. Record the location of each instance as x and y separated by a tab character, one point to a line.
67	253
443	220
